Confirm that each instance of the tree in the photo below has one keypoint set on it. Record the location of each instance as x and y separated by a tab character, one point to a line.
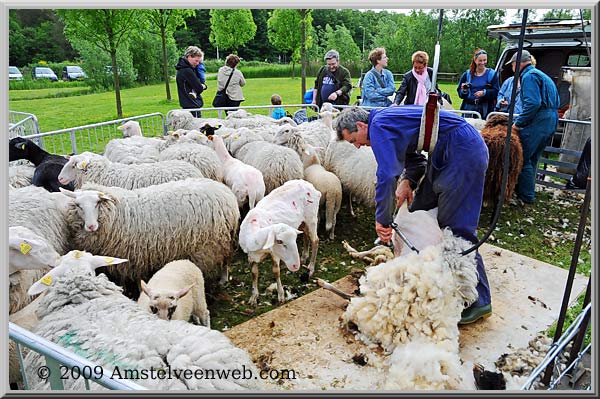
107	30
341	40
165	21
230	29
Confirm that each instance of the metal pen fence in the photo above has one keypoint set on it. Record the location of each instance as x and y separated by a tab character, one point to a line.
22	124
221	113
59	359
93	137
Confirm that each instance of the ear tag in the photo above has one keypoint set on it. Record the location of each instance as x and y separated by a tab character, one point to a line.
46	280
109	260
25	248
78	254
22	146
83	164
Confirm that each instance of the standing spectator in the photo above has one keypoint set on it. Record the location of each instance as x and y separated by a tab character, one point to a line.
333	83
189	86
505	93
478	86
278	112
416	84
535	124
234	94
378	83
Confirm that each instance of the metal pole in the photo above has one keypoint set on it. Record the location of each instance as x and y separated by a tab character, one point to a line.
579	338
571	276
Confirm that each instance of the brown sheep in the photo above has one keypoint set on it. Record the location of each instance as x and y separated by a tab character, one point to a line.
494	135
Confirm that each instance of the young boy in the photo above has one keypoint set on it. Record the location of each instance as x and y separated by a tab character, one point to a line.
279	112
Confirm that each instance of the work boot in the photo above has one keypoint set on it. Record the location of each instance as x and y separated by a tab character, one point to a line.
474	313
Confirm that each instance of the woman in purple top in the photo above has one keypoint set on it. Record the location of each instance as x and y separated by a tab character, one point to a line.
478	86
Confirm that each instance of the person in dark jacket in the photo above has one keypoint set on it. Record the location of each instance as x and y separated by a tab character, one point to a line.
189	86
416	82
454	175
333	83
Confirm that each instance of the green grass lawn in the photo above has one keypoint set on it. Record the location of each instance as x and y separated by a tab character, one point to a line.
56	113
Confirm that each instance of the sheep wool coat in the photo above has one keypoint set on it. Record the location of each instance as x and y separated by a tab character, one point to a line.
89	315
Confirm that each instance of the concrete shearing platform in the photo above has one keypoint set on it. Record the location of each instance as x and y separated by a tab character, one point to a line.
305	335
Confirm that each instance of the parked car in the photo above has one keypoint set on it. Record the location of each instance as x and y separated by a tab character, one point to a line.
44	73
73	72
14	73
554	44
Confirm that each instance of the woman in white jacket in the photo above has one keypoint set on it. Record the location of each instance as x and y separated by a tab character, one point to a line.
234	89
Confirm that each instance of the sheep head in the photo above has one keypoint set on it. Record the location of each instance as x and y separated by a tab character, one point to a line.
130	129
29	251
87	203
76	165
73	260
163	303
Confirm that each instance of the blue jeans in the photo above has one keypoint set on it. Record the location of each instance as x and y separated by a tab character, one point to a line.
533	144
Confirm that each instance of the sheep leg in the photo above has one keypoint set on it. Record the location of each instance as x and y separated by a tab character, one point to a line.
254	297
350	205
277	272
224	275
325	285
305	239
313	255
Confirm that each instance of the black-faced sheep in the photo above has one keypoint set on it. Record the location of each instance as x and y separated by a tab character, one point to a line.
47	166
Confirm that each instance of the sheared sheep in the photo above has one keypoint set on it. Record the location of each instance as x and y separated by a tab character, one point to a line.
494	135
90	167
245	181
176	292
270	229
47	166
195	219
89	315
27	250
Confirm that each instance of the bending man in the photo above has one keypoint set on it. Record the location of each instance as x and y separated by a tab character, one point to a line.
454	178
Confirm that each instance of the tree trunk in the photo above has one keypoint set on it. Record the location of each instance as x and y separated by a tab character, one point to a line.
293	69
115	69
163	37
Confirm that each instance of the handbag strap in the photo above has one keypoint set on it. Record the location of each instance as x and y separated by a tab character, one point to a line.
228	80
378	79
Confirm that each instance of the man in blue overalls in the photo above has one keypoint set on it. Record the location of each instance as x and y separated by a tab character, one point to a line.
454	181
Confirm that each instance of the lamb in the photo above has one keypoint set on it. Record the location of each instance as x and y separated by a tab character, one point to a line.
42	213
95	168
202	157
494	135
326	183
131	129
176	292
90	315
270	229
245	181
47	166
195	219
20	173
278	164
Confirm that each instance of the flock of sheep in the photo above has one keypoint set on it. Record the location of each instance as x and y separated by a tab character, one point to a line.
167	215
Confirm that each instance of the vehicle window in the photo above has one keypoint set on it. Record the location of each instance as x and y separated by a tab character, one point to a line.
13	70
578	60
44	70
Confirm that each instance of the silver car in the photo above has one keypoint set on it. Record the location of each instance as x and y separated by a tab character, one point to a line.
14	73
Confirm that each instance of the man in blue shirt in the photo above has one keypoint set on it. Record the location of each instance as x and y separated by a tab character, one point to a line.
536	123
455	168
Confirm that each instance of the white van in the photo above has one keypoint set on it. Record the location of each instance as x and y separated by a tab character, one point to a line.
554	44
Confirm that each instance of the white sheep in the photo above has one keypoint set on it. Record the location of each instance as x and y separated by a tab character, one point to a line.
27	250
88	314
477	123
90	167
245	181
325	182
202	157
270	229
195	219
131	129
278	164
411	305
20	173
43	213
135	150
176	292
181	119
242	118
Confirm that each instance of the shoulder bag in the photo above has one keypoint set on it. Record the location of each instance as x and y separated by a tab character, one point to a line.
221	98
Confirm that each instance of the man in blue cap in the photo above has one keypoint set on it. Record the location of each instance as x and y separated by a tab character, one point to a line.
455	172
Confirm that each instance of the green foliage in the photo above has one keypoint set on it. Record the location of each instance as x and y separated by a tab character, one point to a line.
283	29
230	29
341	40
